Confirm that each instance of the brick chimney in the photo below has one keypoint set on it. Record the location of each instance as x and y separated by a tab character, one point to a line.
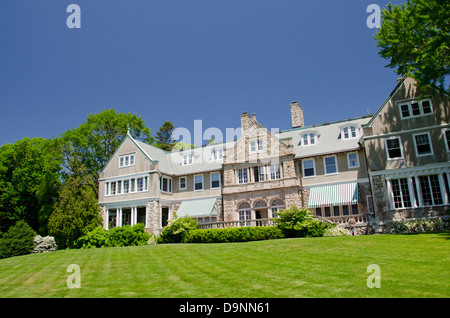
246	121
297	115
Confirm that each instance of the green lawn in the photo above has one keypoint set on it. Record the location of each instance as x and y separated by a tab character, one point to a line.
411	266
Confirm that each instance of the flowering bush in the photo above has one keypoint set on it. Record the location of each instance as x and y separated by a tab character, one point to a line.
417	226
336	231
44	244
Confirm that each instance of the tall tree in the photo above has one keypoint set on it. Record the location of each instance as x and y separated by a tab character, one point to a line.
29	182
94	142
415	38
164	136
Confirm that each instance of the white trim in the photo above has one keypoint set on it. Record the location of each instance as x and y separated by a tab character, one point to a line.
429	142
303	168
409	104
203	180
325	166
210	180
400	145
357	160
406	131
433	168
185	183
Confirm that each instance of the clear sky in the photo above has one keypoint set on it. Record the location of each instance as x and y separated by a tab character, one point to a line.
182	60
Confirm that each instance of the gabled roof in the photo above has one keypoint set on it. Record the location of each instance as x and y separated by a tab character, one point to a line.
328	139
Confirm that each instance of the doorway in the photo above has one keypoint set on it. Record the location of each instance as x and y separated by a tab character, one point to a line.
164	216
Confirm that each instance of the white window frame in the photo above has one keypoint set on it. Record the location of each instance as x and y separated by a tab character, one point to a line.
246	175
217	154
273	171
256	145
188	159
127	160
185	183
313	167
351	129
169	184
203	186
387	148
409	105
429	142
357	160
325	165
447	141
308	139
211	180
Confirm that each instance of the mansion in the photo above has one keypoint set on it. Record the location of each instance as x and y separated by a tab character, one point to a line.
392	165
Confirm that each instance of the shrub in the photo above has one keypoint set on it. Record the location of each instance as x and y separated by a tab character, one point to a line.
119	236
239	234
300	223
177	230
336	231
18	240
44	244
417	226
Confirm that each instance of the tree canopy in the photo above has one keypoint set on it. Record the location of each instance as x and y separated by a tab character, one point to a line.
415	38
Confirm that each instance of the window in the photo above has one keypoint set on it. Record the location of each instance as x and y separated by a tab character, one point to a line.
447	138
113	188
119	187
256	145
182	183
308	168
330	165
393	148
140	184
327	211
259	173
349	132
277	206
244	211
423	144
353	160
215	180
126	186
166	184
198	182
431	190
275	172
126	161
187	159
242	175
336	210
217	154
415	108
308	139
345	210
400	193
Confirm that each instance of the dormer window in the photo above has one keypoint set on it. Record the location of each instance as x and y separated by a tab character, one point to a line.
187	159
349	132
308	139
256	145
217	154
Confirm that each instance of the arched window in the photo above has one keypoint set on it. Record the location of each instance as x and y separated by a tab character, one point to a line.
260	204
275	206
244	211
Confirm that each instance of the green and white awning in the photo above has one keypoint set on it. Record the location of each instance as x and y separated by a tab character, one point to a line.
198	208
333	194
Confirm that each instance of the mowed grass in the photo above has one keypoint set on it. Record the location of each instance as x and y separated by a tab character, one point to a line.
410	266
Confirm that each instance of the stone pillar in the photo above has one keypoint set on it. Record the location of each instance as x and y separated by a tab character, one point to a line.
297	115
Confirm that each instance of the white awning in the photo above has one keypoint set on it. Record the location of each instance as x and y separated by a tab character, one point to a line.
198	208
334	194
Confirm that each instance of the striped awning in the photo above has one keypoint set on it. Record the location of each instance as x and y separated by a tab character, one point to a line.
198	208
334	194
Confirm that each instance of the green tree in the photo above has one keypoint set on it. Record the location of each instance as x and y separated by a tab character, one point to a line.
164	136
94	142
415	38
29	182
18	240
77	211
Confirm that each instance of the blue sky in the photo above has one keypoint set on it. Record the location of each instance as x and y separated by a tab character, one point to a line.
182	60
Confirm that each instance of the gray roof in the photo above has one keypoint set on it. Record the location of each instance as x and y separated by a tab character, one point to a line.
328	138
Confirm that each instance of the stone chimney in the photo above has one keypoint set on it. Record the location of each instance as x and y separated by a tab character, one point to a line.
246	121
297	115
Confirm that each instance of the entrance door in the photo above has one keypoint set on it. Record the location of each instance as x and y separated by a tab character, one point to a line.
164	216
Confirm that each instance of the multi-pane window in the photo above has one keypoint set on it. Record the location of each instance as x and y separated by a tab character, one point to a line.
215	180
330	165
308	139
243	175
415	108
259	173
256	145
182	183
187	159
217	154
423	144
126	161
275	172
393	148
431	190
447	138
166	184
125	186
349	132
308	168
198	182
353	161
400	193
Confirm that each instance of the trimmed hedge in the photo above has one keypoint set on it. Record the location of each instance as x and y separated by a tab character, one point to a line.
239	234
